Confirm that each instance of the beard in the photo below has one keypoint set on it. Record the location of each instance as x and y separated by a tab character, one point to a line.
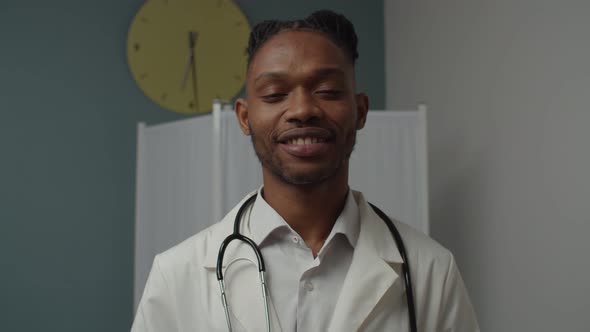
296	176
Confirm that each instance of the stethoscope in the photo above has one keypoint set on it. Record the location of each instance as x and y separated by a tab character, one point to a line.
262	269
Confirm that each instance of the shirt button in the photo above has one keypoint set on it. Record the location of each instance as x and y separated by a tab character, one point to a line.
295	239
308	286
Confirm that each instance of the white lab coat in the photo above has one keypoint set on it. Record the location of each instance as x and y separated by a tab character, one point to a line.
182	292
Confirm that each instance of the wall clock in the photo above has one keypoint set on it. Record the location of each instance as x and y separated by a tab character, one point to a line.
185	53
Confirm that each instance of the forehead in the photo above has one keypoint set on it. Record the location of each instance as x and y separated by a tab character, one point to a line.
298	51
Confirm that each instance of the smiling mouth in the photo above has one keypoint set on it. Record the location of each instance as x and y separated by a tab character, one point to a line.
305	141
305	136
307	144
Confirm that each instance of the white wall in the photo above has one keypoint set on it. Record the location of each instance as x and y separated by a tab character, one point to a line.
507	83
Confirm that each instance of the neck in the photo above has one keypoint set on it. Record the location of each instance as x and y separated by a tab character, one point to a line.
310	210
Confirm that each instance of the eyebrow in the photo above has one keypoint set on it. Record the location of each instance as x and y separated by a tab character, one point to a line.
321	72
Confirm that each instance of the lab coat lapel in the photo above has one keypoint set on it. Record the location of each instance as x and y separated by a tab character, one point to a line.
370	275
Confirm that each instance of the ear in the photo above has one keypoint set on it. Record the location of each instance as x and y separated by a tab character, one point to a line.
362	107
241	109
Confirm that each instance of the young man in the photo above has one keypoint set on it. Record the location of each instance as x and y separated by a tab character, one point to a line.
332	263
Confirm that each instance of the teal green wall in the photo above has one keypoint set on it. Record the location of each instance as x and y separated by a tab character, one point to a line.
68	115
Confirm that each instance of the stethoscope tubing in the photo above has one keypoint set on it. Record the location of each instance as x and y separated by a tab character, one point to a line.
405	266
236	235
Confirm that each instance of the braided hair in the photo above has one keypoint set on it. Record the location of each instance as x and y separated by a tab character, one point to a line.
332	25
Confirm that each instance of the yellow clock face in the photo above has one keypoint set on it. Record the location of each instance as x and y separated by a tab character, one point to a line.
185	53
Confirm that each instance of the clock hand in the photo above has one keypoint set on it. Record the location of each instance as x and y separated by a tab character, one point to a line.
187	69
192	40
189	59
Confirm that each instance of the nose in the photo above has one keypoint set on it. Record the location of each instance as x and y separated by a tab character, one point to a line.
303	108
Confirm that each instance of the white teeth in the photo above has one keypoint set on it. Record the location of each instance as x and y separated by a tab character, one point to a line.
305	140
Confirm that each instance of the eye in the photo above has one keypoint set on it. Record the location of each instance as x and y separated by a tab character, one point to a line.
330	93
274	97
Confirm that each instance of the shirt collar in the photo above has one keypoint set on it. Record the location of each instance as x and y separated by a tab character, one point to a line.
264	220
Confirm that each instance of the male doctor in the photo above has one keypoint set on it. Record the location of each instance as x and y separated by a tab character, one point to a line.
332	264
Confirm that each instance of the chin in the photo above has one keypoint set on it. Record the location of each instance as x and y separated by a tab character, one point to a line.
309	177
304	179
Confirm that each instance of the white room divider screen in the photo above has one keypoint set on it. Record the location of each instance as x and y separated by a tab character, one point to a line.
190	172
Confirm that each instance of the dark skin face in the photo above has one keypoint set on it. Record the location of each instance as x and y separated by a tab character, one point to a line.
302	112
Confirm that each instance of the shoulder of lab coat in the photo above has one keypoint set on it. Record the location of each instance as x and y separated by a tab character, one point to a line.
441	298
442	302
157	309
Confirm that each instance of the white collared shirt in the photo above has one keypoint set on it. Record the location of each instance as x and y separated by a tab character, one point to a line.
303	289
